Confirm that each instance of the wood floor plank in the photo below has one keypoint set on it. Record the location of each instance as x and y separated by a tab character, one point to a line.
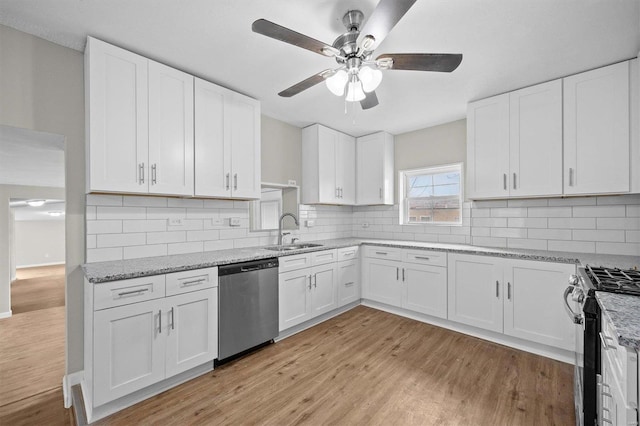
371	367
46	408
37	288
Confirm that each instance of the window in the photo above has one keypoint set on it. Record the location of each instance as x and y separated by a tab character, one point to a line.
432	195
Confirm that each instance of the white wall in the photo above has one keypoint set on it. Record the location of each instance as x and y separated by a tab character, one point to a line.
281	151
42	88
39	242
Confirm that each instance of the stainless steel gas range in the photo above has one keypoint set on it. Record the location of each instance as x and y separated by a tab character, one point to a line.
585	314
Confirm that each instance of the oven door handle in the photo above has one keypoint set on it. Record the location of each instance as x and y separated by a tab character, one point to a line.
576	318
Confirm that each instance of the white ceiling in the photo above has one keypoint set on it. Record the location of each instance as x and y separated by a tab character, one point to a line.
507	44
24	212
31	158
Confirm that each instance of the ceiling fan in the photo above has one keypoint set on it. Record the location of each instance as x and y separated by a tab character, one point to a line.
358	73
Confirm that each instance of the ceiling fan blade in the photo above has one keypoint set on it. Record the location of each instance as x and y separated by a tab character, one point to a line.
370	101
385	16
270	29
439	62
305	84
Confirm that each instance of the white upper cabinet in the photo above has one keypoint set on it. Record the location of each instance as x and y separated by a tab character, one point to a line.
514	143
488	148
116	82
596	131
375	169
328	166
170	131
227	143
535	142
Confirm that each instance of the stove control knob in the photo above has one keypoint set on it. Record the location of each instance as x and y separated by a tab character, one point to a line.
573	280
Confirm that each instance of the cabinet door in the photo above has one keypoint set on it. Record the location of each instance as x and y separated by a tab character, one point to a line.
596	131
324	295
346	169
212	141
170	131
328	141
475	291
348	282
488	148
192	330
243	120
294	297
117	118
381	281
128	349
370	176
531	311
536	140
425	289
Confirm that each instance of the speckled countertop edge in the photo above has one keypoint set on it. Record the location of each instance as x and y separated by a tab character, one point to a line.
623	311
124	269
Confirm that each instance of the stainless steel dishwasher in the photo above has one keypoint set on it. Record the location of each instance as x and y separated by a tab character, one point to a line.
247	306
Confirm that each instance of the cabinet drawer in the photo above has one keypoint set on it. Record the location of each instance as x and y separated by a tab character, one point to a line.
426	257
324	256
292	263
623	361
348	253
124	292
186	281
383	253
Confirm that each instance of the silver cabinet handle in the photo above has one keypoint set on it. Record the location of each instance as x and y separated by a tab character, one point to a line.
497	289
604	339
192	282
160	319
421	257
153	174
508	290
576	317
141	173
397	273
504	181
402	274
380	193
235	181
315	280
349	283
309	282
126	293
337	193
514	181
570	176
227	181
172	320
382	252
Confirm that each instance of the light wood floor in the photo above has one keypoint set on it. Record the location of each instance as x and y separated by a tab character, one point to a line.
32	350
370	367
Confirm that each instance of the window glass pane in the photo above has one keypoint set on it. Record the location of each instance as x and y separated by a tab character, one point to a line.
446	178
444	190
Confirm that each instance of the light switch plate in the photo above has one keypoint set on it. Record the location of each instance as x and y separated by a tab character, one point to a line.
310	223
176	221
234	221
292	182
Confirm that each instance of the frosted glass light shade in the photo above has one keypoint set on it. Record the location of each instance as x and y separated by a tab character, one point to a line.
354	91
337	82
370	78
35	203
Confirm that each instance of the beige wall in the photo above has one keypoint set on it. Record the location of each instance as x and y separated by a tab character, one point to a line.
42	88
39	242
281	155
433	146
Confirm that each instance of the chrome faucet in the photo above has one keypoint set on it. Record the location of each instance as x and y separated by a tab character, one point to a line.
280	225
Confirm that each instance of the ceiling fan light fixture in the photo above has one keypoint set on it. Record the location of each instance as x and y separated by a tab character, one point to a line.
367	42
36	203
370	78
336	83
354	90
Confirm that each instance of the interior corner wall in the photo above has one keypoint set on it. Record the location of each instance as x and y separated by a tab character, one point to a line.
12	247
39	243
281	151
432	146
42	88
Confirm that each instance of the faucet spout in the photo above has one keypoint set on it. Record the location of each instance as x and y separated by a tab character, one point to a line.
295	219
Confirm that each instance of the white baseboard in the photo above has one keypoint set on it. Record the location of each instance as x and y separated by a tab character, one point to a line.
315	321
35	265
6	314
67	382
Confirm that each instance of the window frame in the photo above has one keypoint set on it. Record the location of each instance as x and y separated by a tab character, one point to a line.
431	170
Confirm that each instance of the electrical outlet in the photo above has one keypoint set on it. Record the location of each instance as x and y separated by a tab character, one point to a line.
234	221
310	223
292	182
176	221
365	224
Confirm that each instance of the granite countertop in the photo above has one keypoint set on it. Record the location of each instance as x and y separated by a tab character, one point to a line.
123	269
623	311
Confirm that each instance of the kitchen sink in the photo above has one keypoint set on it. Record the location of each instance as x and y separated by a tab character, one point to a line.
289	247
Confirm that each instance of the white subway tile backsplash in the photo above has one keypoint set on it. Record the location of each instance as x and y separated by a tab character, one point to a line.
526	243
576	246
121	240
509	212
141	201
185	202
246	242
633	211
480	213
208	235
452	239
599	211
188	225
630	223
509	232
136	252
527	222
572	201
91	241
166	213
619	199
485	204
489	241
629	249
573	223
120	213
150	225
495	222
218	245
217	204
632	236
549	212
550	234
536	202
104	226
166	237
180	248
598	235
90	213
104	200
430	238
477	231
104	254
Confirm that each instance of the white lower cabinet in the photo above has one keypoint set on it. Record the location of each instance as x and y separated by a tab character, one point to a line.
419	286
135	343
520	298
348	282
308	291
